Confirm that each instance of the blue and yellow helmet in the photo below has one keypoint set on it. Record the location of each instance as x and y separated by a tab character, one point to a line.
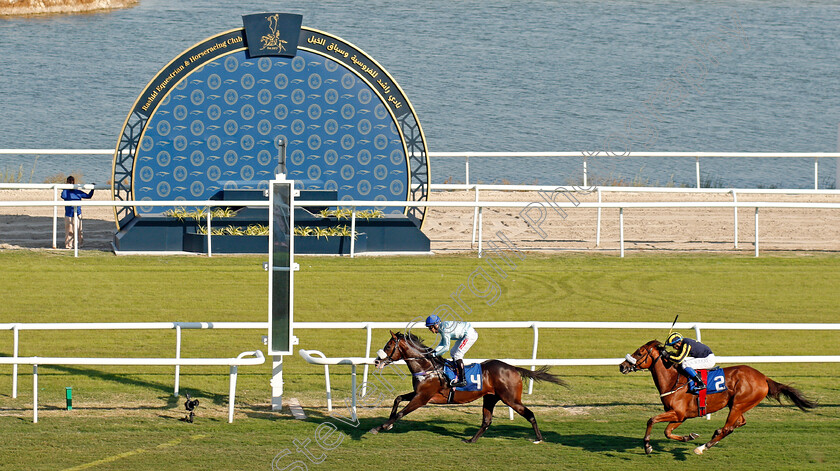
432	320
673	339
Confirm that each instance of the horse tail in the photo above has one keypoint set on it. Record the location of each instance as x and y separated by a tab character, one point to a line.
794	395
541	374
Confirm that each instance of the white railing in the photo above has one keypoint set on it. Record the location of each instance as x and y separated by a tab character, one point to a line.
234	363
17	327
477	188
584	156
698	327
480	205
367	360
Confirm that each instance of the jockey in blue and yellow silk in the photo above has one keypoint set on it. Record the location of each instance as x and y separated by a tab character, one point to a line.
464	336
690	355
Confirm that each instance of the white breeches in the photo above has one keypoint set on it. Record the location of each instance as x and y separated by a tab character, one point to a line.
700	363
463	344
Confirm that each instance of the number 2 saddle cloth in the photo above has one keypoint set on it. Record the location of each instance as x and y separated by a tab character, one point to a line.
715	383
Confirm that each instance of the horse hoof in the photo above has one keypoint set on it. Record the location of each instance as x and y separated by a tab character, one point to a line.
537	442
388	427
374	431
692	436
648	449
467	441
699	450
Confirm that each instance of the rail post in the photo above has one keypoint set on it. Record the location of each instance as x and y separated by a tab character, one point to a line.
756	231
178	356
534	354
353	233
15	347
367	355
735	210
621	229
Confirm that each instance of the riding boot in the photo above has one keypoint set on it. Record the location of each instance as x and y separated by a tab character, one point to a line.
460	380
698	383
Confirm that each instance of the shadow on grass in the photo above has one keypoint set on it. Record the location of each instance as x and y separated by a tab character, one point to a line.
216	399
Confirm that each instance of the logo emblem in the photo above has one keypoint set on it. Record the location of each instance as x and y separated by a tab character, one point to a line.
272	40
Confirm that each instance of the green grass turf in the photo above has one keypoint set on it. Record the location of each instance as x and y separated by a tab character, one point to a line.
126	417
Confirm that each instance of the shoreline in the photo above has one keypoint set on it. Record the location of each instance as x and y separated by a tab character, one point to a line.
60	7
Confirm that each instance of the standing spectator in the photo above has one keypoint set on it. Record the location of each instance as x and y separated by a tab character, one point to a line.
69	223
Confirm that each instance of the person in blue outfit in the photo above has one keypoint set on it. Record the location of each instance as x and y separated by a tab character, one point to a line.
464	336
70	225
690	355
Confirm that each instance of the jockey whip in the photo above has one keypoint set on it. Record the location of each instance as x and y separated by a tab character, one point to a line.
673	324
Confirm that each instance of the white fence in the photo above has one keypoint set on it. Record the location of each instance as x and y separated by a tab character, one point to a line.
318	358
584	156
234	363
176	361
479	206
367	360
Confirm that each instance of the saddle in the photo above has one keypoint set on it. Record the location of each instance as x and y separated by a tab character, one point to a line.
472	374
715	383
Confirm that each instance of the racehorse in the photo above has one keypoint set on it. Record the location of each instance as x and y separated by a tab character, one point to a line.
746	387
500	381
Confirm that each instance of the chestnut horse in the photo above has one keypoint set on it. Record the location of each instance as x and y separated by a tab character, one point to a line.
499	381
746	387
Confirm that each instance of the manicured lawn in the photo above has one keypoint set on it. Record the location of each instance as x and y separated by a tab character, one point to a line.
126	417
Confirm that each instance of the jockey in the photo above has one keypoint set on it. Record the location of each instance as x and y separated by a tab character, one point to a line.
690	354
464	336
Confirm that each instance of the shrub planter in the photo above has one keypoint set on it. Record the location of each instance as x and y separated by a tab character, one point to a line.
324	245
329	245
194	242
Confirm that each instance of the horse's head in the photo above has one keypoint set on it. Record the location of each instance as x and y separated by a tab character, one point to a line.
643	358
390	352
400	347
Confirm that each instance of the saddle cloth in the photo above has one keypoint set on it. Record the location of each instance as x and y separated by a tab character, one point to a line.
472	373
714	379
715	383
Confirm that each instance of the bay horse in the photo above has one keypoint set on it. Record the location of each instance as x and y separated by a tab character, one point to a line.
745	388
500	381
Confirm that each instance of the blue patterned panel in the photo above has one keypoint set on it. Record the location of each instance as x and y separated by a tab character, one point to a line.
220	128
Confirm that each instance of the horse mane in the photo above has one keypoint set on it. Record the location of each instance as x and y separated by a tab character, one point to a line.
417	342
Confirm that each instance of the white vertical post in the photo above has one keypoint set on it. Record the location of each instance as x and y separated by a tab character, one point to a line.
584	178
480	230
598	230
209	232
621	229
232	398
837	170
756	232
353	238
816	173
467	170
475	217
534	354
735	209
697	169
277	382
367	355
16	342
35	394
75	232
177	356
353	391
55	218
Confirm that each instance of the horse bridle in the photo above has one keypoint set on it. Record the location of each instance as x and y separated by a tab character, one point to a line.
634	361
382	356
